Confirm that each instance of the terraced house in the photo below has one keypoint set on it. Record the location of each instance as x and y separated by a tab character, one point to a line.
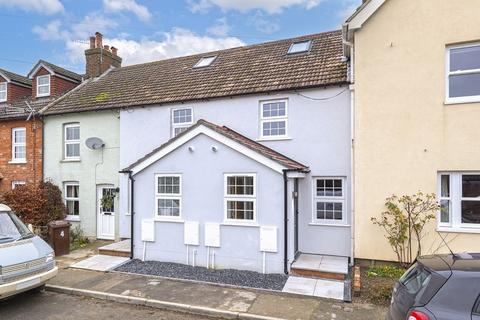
416	74
237	158
21	128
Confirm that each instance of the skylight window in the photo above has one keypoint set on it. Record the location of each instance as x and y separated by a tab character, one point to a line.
205	62
299	47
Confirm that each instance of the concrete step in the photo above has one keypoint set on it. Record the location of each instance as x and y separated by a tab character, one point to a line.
116	249
320	267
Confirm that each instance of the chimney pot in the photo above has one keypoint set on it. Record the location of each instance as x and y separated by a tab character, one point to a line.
114	51
106	47
92	42
98	40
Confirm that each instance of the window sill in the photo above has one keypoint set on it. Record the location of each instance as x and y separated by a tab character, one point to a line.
73	218
70	160
169	220
274	138
319	224
461	101
458	230
17	162
240	224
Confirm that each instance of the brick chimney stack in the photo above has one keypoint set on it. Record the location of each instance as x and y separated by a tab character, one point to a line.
99	58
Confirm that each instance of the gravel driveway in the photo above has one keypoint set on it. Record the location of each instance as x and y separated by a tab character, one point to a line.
227	276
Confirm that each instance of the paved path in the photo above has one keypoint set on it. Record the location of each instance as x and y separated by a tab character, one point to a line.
254	302
52	306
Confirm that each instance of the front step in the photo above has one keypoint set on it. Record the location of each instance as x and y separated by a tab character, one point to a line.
116	249
320	267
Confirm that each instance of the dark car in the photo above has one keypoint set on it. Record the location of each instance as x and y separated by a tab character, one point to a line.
438	287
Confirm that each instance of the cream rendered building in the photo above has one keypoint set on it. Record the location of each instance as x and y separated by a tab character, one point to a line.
415	65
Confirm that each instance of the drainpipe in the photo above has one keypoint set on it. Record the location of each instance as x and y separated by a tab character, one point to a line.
132	206
285	217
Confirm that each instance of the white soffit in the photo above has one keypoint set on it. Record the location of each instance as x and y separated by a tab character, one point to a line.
201	129
362	16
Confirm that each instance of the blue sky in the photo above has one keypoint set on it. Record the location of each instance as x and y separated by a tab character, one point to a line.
146	30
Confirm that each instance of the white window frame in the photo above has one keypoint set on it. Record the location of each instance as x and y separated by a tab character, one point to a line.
5	91
70	142
449	199
273	119
43	85
448	73
455	224
169	196
66	198
16	183
19	144
182	125
235	197
331	199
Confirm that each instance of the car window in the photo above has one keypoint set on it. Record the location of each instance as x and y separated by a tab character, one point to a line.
11	228
415	278
476	309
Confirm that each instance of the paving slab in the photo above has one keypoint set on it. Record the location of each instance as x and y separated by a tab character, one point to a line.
300	285
100	263
329	289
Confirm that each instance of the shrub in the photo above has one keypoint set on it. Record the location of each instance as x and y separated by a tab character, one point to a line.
37	204
78	239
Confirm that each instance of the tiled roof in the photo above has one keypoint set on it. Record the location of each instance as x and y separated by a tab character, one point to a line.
16	77
237	137
238	71
20	110
62	71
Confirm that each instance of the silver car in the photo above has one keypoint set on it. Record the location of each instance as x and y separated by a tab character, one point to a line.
26	261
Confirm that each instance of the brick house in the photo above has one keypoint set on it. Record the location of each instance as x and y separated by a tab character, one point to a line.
21	128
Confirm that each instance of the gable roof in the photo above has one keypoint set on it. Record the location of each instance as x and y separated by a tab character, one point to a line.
227	136
244	70
10	76
363	13
55	70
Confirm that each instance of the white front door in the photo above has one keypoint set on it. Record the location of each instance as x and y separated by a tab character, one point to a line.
105	213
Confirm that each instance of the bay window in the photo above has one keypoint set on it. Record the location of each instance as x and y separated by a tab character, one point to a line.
3	91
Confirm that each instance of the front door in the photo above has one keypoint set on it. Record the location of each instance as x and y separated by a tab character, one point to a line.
106	212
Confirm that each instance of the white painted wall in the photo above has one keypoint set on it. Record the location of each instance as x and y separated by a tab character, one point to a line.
93	169
319	137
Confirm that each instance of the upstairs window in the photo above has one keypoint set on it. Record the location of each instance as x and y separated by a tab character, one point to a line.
168	196
300	47
182	119
19	145
329	201
72	141
43	86
205	62
240	197
273	119
3	92
463	74
459	197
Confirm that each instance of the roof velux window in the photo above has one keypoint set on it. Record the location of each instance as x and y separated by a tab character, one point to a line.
299	47
205	62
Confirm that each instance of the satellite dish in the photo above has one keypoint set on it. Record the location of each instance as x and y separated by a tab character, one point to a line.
94	143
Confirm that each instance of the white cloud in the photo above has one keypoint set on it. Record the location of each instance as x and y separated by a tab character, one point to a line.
177	42
41	6
220	29
139	10
269	6
262	24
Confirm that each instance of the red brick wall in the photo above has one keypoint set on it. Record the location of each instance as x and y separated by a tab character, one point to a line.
31	172
57	85
15	92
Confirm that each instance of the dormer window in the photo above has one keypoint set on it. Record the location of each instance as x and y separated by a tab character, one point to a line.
3	92
205	62
43	86
300	47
